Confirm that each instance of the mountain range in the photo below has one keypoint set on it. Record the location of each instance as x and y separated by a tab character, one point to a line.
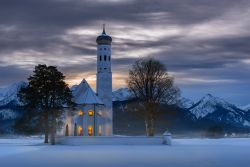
9	94
246	108
208	110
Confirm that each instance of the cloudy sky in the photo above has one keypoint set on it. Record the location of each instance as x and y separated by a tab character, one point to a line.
205	44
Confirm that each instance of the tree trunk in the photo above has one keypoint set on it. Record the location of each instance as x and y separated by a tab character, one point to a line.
52	139
53	129
146	126
149	118
151	127
46	139
149	124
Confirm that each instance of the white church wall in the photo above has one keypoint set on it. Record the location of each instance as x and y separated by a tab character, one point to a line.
112	140
84	121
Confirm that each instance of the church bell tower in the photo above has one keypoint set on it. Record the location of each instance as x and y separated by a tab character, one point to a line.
104	79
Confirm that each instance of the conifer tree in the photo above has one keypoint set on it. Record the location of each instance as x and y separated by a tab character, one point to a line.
46	95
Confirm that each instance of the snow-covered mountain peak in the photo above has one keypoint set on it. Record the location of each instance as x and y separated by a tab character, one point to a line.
246	108
208	104
185	103
9	93
121	94
210	98
12	88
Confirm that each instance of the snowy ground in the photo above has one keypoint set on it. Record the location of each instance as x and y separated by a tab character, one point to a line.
183	153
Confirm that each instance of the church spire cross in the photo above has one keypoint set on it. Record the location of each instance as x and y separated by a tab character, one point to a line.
103	32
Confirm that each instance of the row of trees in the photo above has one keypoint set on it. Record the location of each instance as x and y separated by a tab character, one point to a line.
47	94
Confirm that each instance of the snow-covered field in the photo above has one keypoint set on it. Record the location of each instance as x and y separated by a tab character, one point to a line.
183	153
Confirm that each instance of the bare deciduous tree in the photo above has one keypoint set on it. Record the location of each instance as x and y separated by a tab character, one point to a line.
151	85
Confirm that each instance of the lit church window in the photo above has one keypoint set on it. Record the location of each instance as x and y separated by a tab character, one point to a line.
107	114
79	131
91	112
90	130
100	130
100	113
80	113
108	132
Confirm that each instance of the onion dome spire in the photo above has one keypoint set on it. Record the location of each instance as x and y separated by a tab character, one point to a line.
103	39
103	29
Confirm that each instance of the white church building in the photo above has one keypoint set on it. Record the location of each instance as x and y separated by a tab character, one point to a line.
94	115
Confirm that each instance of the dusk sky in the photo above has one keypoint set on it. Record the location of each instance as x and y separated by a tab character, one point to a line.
205	44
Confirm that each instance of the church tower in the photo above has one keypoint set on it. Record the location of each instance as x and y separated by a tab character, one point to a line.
104	79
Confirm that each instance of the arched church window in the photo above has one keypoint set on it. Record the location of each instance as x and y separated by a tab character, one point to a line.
109	58
90	130
75	129
99	130
91	112
67	130
104	48
80	131
99	113
105	57
108	131
80	113
100	58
